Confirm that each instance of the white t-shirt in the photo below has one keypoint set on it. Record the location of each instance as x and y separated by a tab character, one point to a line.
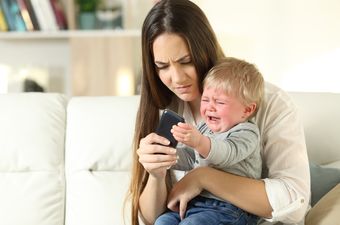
284	154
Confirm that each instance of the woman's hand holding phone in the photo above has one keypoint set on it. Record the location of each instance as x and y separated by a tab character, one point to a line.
157	151
155	155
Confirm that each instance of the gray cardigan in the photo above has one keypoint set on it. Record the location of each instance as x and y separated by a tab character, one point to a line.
235	151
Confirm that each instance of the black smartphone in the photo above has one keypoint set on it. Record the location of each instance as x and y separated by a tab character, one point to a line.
168	119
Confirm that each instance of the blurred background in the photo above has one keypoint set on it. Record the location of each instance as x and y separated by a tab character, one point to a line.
95	49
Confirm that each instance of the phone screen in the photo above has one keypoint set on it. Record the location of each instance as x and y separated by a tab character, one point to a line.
168	119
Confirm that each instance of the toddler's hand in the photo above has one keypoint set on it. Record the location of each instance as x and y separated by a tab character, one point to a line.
187	134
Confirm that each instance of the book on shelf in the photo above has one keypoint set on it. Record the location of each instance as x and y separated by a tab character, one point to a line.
49	15
58	11
25	15
32	15
13	16
70	12
3	23
45	15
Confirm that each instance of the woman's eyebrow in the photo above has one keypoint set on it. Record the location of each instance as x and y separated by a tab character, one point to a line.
177	60
183	58
160	63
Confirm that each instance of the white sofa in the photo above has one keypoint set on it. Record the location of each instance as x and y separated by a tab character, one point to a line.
67	161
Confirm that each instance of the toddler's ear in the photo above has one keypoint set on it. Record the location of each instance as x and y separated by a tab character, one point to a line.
249	109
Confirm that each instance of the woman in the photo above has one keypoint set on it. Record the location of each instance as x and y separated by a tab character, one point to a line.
178	48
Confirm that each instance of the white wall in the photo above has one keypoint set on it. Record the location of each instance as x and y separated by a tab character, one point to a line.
42	57
295	43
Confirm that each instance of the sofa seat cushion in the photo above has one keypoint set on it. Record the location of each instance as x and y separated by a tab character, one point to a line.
32	182
326	211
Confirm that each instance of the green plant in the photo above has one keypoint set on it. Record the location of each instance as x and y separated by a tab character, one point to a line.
88	5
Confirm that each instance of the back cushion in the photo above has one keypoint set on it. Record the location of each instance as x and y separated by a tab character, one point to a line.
32	184
321	119
98	158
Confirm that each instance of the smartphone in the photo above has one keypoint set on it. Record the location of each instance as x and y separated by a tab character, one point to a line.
168	119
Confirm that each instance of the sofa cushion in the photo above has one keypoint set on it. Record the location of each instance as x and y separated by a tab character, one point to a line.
32	182
335	164
320	124
323	179
98	158
326	211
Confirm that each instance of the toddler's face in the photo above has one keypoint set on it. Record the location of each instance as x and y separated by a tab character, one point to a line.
221	111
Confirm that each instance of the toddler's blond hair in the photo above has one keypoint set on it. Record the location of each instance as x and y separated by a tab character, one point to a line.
237	78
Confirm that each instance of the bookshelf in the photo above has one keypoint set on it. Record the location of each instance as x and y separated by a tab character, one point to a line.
88	62
67	34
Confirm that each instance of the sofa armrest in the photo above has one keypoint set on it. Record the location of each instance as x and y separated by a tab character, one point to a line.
326	210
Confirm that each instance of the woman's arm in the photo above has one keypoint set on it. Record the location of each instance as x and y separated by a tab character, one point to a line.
284	155
246	193
156	159
284	194
152	202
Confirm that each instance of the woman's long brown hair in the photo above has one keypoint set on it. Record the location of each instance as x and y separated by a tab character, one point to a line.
184	18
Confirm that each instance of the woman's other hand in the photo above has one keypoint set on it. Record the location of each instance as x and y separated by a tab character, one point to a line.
183	191
155	156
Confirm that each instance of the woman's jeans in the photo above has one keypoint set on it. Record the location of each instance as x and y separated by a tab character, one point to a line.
208	211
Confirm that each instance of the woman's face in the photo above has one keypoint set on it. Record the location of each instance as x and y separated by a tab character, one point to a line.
174	65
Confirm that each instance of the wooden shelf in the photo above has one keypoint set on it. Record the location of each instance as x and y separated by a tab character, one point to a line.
83	62
67	34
